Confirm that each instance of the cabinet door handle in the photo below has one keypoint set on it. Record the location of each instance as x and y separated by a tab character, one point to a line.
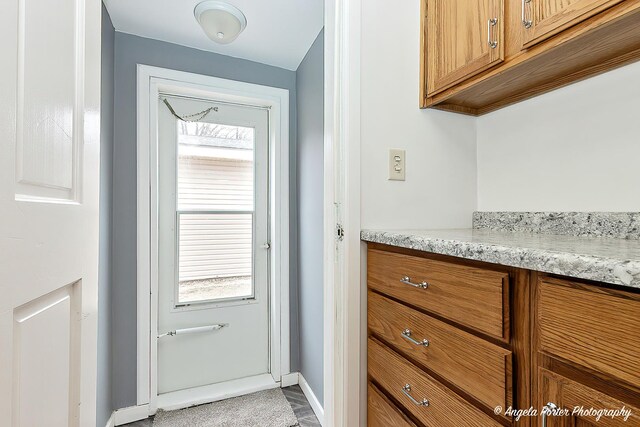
548	408
407	392
526	22
406	334
490	24
407	281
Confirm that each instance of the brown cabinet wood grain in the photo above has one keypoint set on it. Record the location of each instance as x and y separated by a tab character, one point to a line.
411	387
381	412
574	402
474	297
569	342
593	327
455	58
478	367
544	18
542	45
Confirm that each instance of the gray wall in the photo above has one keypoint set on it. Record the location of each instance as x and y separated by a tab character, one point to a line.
104	400
310	91
129	51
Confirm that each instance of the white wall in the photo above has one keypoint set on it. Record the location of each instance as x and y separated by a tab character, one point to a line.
574	149
440	186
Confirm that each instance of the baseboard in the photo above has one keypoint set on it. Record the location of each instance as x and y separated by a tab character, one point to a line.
110	421
289	379
313	400
130	414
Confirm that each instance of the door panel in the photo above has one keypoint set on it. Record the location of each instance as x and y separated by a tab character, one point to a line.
49	192
52	321
212	216
567	394
463	39
544	18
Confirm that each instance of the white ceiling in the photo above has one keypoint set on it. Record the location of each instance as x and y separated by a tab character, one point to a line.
279	32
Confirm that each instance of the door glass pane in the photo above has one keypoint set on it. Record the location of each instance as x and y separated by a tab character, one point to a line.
215	212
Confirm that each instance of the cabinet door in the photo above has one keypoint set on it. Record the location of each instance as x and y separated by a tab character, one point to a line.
463	38
574	402
542	19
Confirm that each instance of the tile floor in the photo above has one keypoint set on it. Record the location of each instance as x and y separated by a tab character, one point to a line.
297	400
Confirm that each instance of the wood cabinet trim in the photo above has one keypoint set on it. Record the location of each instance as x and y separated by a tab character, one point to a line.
423	54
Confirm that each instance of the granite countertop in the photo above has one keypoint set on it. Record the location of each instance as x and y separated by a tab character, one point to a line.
603	259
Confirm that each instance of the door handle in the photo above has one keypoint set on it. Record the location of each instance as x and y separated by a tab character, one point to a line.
548	408
266	246
526	22
490	24
196	330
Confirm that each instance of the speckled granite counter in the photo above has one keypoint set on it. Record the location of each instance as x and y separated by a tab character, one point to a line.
609	260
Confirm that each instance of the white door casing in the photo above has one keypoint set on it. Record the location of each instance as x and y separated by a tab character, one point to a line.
240	349
152	81
344	288
49	195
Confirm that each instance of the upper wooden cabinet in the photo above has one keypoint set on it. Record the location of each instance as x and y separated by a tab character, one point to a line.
456	58
480	56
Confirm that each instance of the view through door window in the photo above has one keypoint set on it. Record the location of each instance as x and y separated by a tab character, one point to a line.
215	212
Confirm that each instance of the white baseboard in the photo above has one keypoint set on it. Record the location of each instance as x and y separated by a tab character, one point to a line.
110	421
289	379
130	414
313	400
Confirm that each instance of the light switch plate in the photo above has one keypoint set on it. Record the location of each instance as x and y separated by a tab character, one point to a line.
397	164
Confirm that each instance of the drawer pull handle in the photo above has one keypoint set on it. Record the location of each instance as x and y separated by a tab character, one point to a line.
407	281
407	392
548	409
406	334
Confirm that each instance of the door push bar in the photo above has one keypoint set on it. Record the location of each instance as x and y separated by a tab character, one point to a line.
196	330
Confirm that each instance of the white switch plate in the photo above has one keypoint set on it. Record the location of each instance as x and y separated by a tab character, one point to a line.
396	165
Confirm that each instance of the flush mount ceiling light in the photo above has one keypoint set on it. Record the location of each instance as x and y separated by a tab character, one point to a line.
221	21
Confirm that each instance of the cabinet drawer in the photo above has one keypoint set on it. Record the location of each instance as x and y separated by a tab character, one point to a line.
476	366
382	413
471	296
444	409
591	326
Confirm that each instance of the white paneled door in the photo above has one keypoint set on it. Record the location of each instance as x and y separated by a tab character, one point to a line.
213	243
49	172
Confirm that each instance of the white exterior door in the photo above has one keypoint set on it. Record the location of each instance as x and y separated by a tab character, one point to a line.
49	173
213	317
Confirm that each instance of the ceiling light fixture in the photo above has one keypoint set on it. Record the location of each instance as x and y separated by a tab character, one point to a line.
221	21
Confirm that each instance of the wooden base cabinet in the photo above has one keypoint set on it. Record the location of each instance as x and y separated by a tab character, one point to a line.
566	348
587	354
479	56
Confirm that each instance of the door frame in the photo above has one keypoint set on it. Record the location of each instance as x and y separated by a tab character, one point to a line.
345	321
150	82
